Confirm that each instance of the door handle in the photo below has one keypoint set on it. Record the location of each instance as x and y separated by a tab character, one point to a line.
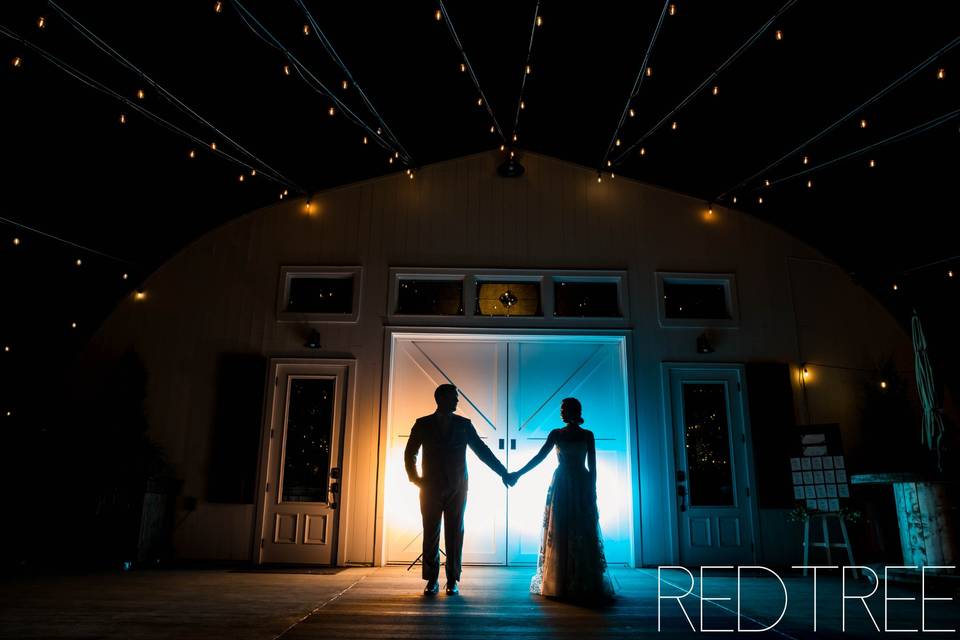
501	443
513	444
682	494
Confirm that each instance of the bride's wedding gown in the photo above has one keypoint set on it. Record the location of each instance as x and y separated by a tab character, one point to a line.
571	563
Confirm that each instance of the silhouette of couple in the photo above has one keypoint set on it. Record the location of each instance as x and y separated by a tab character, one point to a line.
571	563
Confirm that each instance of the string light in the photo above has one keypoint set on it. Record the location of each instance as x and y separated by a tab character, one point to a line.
599	177
643	151
192	154
6	348
895	287
539	21
806	159
716	90
390	160
344	85
79	262
514	137
140	94
863	123
609	163
73	325
126	276
617	142
139	295
778	34
437	15
809	184
41	22
872	163
673	125
123	118
463	67
766	183
218	7
649	71
523	105
734	199
493	129
612	175
950	273
253	172
527	69
286	69
883	384
479	102
213	146
240	178
632	112
941	73
365	140
673	9
16	62
331	111
760	200
306	29
16	242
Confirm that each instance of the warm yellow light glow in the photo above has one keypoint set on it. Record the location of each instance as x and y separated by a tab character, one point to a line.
479	102
41	22
286	69
463	67
895	287
806	159
437	15
527	69
734	199
253	172
709	211
139	295
285	192
514	137
140	94
809	184
79	262
805	374
192	154
778	34
950	273
281	195
218	6
617	142
123	118
609	163
643	151
126	276
331	111
872	163
492	129
941	72
73	325
213	146
673	125
308	205
883	384
612	175
6	348
502	147
306	29
365	140
649	71
16	242
9	413
16	62
344	85
411	175
523	105
673	9
716	90
632	112
766	183
539	21
863	123
760	200
390	160
240	178
511	154
599	178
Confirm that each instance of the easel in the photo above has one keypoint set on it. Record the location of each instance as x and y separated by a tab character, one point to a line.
825	543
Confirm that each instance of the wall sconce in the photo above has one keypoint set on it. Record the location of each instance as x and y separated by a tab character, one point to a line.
313	340
703	343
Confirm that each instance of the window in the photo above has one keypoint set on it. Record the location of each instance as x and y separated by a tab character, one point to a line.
430	297
697	300
508	299
319	294
586	299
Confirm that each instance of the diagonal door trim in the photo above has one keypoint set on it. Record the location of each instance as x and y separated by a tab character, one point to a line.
459	390
563	385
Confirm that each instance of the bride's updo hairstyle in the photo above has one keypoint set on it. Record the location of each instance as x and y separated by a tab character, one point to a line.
574	408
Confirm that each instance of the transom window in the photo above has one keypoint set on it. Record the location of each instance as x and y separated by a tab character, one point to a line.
319	294
696	300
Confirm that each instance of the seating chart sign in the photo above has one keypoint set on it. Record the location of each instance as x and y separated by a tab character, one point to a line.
818	470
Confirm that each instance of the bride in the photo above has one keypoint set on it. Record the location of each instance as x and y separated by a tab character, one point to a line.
571	563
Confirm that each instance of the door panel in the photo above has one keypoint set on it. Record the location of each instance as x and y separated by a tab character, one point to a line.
715	510
301	479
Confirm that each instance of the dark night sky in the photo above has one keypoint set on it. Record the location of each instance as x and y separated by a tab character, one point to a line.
70	169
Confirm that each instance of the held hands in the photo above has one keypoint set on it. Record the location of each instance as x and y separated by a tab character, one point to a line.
510	479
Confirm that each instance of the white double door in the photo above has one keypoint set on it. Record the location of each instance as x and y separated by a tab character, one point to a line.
511	388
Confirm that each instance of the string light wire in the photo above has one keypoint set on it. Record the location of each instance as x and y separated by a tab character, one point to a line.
261	31
153	117
847	116
65	241
328	47
710	78
526	66
179	104
470	71
637	82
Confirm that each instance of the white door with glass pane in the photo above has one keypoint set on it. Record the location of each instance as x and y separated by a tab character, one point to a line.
511	389
716	511
300	462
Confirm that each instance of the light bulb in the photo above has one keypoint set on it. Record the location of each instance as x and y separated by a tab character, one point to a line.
411	175
479	102
192	154
673	125
285	192
16	242
286	69
710	210
390	160
438	16
6	348
883	384
673	9
514	137
599	178
778	34
365	140
649	71
806	159
396	154
253	172
539	21
895	287
809	184
643	151
492	129
379	131
41	22
344	85
123	118
140	94
213	146
863	123
716	90
240	178
950	273
463	67
632	112
126	276
612	175
73	325
766	183
617	142
79	262
218	6
527	69
512	154
872	163
523	105
306	29
760	200
609	163
941	72
331	111
139	295
16	62
502	147
734	199
281	195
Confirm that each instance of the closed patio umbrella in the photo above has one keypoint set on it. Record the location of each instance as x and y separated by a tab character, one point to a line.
932	431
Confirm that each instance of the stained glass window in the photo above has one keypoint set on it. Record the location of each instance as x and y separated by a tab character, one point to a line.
508	299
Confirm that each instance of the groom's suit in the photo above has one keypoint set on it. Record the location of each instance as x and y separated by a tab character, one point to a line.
443	489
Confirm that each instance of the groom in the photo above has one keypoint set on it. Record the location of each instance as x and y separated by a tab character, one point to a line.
443	485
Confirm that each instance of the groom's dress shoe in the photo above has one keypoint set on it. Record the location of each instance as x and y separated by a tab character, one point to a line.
453	588
432	588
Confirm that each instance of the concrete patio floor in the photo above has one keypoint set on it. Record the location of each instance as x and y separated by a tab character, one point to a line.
386	603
